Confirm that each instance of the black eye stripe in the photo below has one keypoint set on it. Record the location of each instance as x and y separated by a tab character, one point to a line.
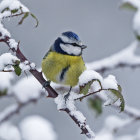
73	44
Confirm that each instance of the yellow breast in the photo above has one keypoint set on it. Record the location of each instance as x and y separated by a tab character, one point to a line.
63	69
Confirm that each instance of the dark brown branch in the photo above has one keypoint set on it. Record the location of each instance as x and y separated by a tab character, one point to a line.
6	71
38	75
83	127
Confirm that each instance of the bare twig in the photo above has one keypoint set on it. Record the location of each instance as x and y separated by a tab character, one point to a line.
7	71
89	94
15	15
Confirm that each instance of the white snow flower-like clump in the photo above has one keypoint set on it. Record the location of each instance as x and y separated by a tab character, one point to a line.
7	59
37	128
27	89
89	75
9	132
12	4
5	80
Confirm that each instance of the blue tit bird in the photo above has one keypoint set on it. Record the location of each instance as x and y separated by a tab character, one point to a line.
63	63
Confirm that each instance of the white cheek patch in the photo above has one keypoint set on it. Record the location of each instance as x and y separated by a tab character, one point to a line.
71	49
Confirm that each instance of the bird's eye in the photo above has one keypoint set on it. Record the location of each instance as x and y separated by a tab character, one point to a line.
74	44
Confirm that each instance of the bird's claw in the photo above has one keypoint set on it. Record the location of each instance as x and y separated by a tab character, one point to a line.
66	97
46	83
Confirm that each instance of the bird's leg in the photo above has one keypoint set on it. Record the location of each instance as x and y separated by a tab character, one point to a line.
46	83
67	95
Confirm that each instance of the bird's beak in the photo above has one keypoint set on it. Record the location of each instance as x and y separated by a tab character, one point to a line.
83	46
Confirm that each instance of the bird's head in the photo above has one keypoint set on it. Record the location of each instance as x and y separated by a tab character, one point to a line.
69	43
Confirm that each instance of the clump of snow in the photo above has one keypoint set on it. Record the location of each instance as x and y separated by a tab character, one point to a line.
13	44
37	128
91	134
32	65
59	100
70	104
7	59
27	88
4	32
25	66
110	82
79	115
5	80
12	4
26	62
9	132
114	122
4	14
89	75
106	84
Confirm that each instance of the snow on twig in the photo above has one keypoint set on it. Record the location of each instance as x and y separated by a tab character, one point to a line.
12	5
125	58
7	59
77	116
10	111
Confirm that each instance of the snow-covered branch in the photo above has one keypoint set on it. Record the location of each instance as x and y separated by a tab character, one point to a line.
111	125
10	111
76	115
125	58
7	60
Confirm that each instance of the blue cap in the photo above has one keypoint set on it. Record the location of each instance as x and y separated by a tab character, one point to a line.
71	35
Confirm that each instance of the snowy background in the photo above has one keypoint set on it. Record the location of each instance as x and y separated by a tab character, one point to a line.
103	27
